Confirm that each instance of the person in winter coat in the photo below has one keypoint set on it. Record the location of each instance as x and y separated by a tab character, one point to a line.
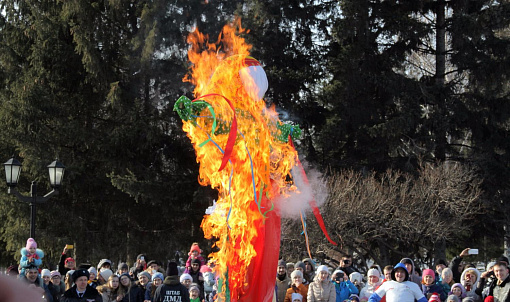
399	289
357	279
30	256
171	290
129	291
343	286
110	291
374	281
409	263
447	279
430	286
458	290
56	286
309	272
501	289
65	263
283	281
469	279
296	287
321	289
81	291
156	280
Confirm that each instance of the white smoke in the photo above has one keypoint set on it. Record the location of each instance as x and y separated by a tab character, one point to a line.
299	201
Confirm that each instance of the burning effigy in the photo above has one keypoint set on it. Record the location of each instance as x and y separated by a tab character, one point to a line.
246	153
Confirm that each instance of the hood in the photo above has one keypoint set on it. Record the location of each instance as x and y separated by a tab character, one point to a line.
404	260
400	265
463	282
311	262
171	280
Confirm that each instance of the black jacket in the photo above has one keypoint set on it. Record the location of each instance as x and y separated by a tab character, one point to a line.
91	295
171	290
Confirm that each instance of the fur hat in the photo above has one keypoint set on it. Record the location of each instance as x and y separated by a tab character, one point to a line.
296	296
296	273
185	276
55	273
106	274
434	298
81	273
195	247
157	275
45	272
31	243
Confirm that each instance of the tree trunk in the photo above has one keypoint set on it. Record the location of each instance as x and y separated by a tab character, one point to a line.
440	150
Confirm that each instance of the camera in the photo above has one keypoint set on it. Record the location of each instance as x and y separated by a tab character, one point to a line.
339	277
346	261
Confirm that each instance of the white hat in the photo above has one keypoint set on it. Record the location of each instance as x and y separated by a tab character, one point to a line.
296	296
296	273
322	268
185	276
106	274
373	272
45	272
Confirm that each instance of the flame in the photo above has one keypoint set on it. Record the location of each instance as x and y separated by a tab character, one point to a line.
258	166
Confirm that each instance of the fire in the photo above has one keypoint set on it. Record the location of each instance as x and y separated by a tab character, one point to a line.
255	175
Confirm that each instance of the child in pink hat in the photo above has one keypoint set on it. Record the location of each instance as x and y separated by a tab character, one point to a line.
30	255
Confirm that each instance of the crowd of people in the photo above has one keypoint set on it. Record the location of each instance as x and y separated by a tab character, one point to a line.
302	281
456	282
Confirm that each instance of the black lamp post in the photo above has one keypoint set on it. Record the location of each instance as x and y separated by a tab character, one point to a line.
12	172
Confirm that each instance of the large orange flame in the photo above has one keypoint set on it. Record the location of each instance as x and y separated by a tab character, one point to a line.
244	222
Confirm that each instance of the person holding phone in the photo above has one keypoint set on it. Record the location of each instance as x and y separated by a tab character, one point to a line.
346	265
66	263
343	286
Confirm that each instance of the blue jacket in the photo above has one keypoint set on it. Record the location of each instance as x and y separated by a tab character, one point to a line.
344	290
434	288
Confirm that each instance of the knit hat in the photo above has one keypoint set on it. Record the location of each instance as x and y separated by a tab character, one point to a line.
106	274
69	259
489	299
441	261
354	297
205	268
296	296
490	265
55	273
172	269
146	274
428	272
45	272
338	271
373	272
195	247
434	298
185	276
468	299
102	262
197	261
93	270
282	263
194	287
157	275
124	274
322	268
122	265
452	298
31	243
81	273
300	264
296	273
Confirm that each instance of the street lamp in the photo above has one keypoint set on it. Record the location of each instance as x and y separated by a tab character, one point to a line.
12	172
